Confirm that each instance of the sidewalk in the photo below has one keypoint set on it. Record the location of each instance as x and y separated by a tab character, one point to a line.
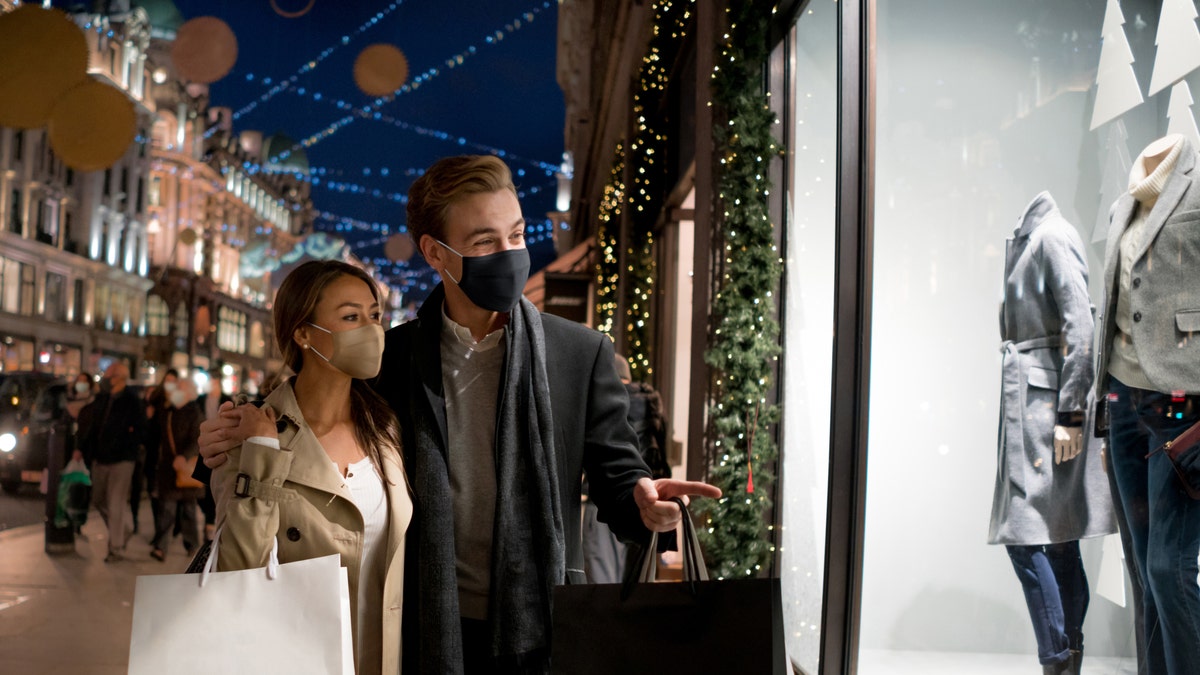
72	614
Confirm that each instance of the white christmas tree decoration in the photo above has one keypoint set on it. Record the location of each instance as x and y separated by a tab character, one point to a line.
1117	89
1180	119
1178	43
1114	182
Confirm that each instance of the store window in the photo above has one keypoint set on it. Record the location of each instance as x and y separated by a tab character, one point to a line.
809	128
983	138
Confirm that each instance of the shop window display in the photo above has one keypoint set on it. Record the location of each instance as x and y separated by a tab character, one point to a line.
1003	129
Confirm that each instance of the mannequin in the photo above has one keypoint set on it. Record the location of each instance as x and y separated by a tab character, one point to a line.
1148	370
1050	490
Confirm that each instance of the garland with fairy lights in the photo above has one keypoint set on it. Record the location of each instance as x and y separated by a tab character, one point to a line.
608	269
642	203
744	334
648	150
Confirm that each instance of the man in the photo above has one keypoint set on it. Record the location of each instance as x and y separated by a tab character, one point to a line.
111	427
502	410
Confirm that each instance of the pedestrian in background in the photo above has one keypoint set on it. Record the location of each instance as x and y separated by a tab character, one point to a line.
147	467
80	393
179	426
109	439
605	557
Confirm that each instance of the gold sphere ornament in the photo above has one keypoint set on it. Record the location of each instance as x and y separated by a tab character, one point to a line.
380	69
204	50
44	54
399	247
92	125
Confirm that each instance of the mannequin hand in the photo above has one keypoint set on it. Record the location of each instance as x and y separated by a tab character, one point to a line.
1068	443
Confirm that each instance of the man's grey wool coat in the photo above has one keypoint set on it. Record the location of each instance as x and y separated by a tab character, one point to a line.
1047	328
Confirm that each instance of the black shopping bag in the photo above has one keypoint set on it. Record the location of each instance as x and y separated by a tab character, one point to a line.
697	626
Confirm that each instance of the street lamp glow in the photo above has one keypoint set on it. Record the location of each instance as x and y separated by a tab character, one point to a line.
7	442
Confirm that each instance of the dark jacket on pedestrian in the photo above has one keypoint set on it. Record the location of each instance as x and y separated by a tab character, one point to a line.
180	432
111	428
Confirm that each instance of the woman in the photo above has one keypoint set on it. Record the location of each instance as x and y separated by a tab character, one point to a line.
320	469
81	393
179	429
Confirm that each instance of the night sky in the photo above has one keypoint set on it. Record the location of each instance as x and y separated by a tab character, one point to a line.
502	97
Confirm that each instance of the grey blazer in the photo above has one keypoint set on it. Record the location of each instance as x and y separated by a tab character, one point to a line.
1166	284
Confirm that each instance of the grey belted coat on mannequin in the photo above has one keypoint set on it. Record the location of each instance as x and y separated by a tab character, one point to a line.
1047	328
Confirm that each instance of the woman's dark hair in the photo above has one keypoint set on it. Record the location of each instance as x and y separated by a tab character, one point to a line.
375	424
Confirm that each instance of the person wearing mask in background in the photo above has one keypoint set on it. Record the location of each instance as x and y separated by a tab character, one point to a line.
157	398
320	469
79	394
179	425
605	557
109	443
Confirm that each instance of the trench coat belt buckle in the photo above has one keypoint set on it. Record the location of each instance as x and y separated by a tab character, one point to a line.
1044	342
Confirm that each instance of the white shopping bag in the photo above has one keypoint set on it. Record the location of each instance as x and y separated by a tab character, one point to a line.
289	618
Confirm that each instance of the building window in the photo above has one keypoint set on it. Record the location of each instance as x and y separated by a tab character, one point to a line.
158	318
155	191
101	315
14	212
8	285
80	304
231	330
28	285
70	244
181	321
47	223
18	145
107	186
56	301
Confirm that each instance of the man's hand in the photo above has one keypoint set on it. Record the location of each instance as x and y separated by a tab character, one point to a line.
653	498
1068	443
220	434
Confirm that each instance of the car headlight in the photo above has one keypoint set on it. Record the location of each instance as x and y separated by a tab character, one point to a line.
7	442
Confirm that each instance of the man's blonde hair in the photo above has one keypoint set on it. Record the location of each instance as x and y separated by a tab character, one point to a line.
445	183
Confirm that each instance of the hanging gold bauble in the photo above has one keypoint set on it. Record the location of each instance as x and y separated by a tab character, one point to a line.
380	69
92	125
44	54
204	50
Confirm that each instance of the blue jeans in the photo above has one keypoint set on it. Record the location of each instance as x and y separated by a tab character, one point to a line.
1164	523
1056	592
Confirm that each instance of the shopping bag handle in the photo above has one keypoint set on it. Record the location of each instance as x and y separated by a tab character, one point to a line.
210	565
694	568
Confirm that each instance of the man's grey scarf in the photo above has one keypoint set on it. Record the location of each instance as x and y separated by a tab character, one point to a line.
528	549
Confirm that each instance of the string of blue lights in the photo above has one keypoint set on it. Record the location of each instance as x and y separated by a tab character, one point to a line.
416	82
314	63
